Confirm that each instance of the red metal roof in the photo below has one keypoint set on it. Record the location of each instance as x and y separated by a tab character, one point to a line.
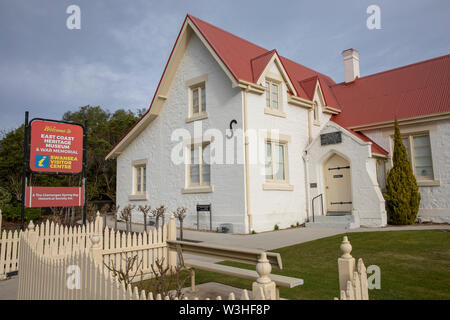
374	147
246	60
415	90
411	91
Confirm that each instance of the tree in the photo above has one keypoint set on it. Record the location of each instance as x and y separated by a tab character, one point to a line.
180	215
402	193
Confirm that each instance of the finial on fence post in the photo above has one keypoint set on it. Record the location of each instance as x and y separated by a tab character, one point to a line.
264	283
31	226
346	248
346	264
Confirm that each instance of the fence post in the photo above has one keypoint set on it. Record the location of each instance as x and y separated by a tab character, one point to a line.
97	240
1	223
263	283
172	235
346	264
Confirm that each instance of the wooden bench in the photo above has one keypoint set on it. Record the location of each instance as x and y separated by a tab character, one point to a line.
233	254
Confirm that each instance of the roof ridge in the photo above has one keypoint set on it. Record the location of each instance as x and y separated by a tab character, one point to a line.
396	69
223	30
265	53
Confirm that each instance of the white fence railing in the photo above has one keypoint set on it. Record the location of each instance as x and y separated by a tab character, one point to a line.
117	246
65	271
352	280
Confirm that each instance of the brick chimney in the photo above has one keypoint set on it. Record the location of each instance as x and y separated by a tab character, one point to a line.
351	64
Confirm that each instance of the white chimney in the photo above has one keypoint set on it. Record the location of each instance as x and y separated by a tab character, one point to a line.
351	64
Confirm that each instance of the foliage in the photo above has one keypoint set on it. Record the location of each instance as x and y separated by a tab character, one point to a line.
13	213
276	227
5	197
402	193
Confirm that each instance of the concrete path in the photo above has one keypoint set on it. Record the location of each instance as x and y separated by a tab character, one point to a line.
8	289
283	238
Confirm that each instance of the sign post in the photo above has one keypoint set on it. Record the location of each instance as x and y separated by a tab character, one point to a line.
54	147
24	171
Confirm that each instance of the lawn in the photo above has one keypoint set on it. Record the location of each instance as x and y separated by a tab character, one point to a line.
414	265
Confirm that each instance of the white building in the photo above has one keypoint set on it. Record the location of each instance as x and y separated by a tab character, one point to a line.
299	138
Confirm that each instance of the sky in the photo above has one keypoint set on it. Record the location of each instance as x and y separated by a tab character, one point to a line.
117	57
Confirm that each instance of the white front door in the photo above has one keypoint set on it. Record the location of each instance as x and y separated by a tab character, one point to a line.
338	192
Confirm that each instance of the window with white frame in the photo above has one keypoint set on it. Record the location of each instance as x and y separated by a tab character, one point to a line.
273	94
198	99
140	180
275	161
419	154
199	167
316	113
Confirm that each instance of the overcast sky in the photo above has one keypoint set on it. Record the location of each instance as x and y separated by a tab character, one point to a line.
116	59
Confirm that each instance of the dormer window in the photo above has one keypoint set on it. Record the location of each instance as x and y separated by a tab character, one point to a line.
272	94
316	114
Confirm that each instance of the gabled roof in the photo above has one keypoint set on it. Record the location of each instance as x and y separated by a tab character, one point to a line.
407	92
242	56
411	91
259	63
375	148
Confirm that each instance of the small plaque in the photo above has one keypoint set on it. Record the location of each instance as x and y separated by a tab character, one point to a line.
338	176
330	138
313	185
204	207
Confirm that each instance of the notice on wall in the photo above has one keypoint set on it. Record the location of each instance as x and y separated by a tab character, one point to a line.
37	197
56	147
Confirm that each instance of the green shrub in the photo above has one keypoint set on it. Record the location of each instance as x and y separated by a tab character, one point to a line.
402	193
5	197
253	232
276	227
13	214
298	224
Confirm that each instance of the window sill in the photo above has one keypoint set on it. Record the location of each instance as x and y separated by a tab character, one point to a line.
278	186
199	189
197	117
276	113
137	197
428	183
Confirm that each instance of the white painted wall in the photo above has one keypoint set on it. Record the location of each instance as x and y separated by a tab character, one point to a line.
270	207
165	179
435	200
368	202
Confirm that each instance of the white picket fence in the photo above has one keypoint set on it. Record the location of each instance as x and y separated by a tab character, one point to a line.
9	250
352	281
66	270
55	239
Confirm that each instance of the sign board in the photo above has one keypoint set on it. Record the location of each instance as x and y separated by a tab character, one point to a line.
203	207
54	197
330	138
56	147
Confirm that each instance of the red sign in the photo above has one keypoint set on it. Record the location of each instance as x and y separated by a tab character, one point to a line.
56	147
54	197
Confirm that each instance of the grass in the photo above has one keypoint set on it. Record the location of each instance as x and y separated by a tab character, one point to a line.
414	265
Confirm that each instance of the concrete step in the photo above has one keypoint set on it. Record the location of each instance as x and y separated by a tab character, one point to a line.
339	222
